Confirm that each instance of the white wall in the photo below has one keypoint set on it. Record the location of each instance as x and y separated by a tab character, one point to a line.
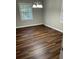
37	16
52	10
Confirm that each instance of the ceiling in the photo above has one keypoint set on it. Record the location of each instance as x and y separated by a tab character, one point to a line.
28	0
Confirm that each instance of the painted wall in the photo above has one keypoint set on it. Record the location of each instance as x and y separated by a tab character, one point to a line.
52	10
37	16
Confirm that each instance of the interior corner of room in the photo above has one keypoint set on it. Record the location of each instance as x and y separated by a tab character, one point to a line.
49	15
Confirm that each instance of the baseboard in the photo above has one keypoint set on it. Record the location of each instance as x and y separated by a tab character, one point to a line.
29	25
40	24
53	28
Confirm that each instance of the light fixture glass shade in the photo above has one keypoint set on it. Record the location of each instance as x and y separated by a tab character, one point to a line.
34	6
37	5
40	6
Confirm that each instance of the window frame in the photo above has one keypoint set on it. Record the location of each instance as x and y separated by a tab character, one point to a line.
20	12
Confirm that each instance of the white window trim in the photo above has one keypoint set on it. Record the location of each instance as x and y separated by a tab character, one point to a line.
19	10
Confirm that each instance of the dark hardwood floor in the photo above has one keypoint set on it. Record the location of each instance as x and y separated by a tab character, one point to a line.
38	42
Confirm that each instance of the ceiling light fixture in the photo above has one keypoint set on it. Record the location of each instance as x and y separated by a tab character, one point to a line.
37	4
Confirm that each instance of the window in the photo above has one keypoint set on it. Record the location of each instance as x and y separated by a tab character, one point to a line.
25	11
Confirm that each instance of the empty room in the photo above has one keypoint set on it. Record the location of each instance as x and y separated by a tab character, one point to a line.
39	29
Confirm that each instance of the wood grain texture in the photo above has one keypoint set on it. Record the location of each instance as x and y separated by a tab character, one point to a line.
38	42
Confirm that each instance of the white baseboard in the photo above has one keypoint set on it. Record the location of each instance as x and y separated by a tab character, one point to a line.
29	25
39	24
53	28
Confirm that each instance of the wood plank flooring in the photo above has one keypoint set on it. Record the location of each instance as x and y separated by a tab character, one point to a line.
38	42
